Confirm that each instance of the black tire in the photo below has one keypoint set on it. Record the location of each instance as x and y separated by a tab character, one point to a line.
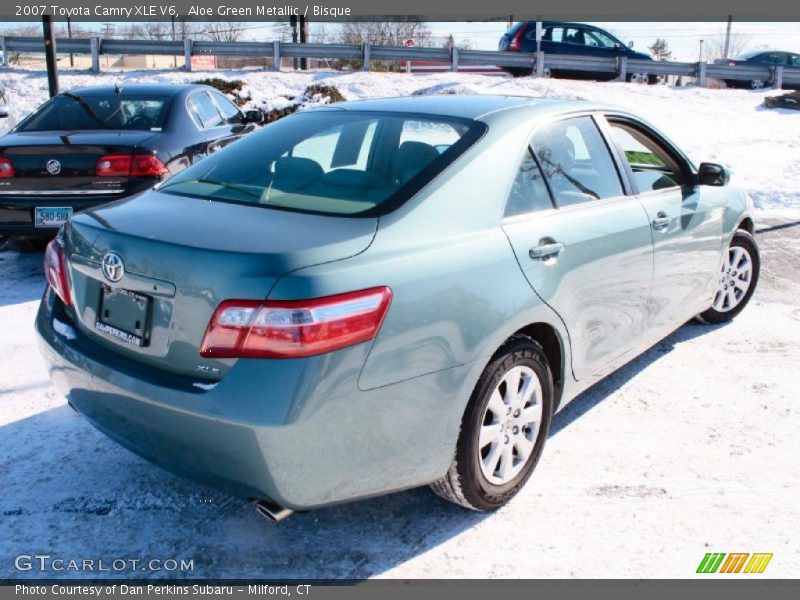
745	240
518	71
465	484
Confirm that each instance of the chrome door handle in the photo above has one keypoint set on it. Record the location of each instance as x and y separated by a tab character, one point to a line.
661	221
546	250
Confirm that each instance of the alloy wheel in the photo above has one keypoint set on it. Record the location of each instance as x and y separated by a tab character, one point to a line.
735	279
511	425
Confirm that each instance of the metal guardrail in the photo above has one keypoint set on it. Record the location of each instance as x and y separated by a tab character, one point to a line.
366	53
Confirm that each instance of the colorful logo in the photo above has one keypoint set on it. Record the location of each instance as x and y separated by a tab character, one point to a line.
735	562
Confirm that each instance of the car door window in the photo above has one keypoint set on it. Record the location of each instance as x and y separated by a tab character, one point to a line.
528	192
576	161
794	61
773	58
230	113
572	35
653	166
554	34
205	110
598	39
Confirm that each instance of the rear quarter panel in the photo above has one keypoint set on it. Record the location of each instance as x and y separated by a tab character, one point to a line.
458	291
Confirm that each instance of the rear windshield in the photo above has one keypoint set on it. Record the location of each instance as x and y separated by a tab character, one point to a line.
72	112
332	162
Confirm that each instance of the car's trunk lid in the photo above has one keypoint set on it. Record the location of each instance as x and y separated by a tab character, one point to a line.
65	162
182	257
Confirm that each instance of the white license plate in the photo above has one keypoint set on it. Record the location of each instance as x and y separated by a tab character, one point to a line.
51	216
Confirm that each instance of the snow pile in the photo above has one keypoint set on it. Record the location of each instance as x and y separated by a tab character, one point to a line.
733	127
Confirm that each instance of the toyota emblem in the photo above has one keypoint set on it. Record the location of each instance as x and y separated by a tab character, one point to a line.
113	268
53	167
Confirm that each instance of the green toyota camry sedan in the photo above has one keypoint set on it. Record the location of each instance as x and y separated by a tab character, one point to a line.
377	295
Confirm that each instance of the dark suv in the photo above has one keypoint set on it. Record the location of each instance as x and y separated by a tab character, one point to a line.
571	38
759	58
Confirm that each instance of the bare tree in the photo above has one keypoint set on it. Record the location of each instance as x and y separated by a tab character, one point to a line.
715	46
131	31
223	31
391	32
157	30
660	49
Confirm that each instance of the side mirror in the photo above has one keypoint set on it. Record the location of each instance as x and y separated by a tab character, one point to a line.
255	116
712	174
630	44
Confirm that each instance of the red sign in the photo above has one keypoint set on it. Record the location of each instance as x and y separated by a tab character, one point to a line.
408	43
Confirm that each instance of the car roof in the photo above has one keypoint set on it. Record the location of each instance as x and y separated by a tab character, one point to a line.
468	106
158	89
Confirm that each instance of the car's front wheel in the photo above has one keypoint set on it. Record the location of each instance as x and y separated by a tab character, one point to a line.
503	430
737	279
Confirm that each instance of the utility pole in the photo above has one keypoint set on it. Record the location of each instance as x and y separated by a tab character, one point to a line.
69	35
303	40
727	38
50	54
293	23
109	31
174	58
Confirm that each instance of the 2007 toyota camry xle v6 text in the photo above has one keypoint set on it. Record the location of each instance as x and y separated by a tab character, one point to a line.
382	294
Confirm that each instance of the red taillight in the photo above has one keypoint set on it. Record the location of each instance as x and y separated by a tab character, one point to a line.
127	165
146	165
56	272
6	168
114	165
297	328
733	63
516	41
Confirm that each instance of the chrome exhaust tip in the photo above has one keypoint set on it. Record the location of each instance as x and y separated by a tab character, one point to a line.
272	511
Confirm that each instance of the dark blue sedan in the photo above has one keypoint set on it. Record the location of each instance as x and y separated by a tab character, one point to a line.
576	39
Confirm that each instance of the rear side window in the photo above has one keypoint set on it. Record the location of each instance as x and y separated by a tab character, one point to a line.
653	167
576	161
528	191
331	162
230	113
205	111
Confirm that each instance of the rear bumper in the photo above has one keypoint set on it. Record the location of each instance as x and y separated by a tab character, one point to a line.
297	432
17	211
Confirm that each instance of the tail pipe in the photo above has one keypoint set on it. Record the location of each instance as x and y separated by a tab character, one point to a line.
272	511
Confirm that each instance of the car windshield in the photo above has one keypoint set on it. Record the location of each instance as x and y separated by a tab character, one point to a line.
331	162
73	112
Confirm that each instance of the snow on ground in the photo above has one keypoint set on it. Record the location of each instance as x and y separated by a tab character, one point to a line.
762	146
691	448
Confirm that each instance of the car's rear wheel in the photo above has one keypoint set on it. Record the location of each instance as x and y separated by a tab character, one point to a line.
737	281
503	430
518	71
757	84
639	78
